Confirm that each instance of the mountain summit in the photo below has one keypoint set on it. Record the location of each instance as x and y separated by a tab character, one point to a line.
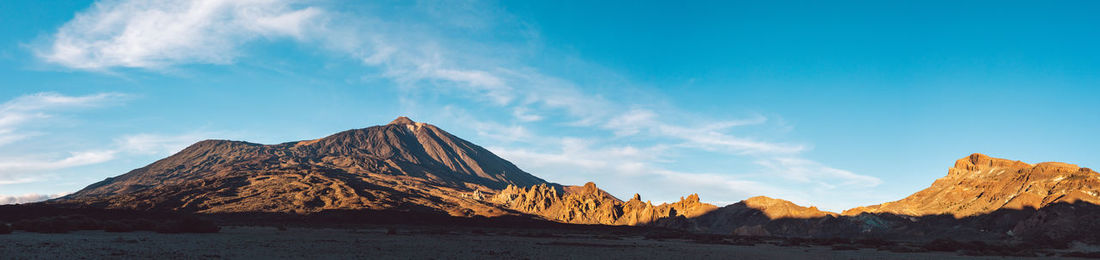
401	165
402	121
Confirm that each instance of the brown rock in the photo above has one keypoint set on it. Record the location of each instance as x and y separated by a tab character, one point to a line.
589	205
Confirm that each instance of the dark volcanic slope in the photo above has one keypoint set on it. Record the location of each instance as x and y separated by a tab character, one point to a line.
403	164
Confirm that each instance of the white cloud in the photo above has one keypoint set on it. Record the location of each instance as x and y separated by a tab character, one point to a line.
19	165
524	114
708	135
632	122
6	181
492	130
26	169
9	136
715	140
160	144
636	170
646	170
810	171
158	33
35	115
18	113
575	153
28	198
50	101
17	170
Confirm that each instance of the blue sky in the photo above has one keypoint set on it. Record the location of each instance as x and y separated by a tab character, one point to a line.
835	104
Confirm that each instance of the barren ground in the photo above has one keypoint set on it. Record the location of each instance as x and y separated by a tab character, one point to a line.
408	242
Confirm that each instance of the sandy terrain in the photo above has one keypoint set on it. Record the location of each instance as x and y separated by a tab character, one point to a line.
408	242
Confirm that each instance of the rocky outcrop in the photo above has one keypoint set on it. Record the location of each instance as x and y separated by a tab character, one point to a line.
589	205
779	209
751	216
979	184
402	165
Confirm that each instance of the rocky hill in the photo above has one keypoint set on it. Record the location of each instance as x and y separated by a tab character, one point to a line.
979	184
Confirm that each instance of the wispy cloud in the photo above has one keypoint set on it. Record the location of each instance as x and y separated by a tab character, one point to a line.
585	154
51	101
500	132
803	170
638	169
37	167
162	144
20	116
18	113
74	159
158	33
37	115
28	198
707	135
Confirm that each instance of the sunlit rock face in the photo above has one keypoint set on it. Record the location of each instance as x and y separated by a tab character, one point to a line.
403	165
979	184
589	205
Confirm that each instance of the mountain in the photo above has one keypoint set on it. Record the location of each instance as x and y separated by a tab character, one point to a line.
402	165
979	184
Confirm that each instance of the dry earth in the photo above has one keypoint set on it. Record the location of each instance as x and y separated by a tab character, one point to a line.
408	243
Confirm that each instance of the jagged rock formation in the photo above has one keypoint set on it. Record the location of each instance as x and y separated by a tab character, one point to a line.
979	184
589	205
402	165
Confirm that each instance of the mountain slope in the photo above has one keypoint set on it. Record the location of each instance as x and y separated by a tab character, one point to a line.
979	184
401	165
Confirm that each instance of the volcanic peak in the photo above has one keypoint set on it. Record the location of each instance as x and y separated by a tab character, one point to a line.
401	120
